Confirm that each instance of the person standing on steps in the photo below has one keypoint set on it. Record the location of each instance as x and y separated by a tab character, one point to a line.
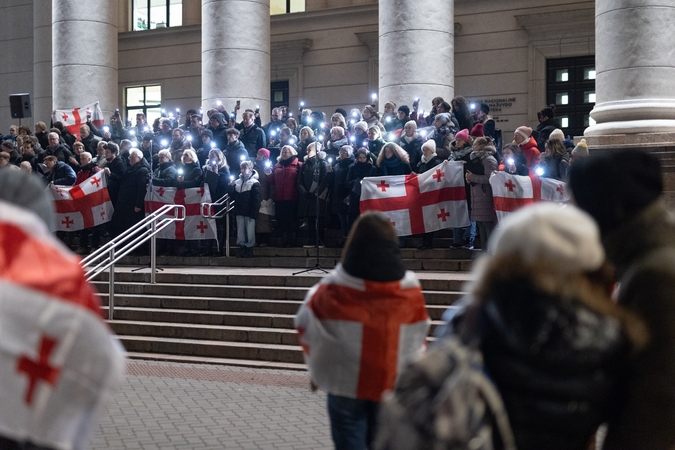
246	207
283	179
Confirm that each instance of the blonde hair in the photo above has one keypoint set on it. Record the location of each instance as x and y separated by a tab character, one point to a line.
397	152
191	153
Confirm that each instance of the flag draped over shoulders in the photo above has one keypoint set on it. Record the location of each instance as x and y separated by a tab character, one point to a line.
357	335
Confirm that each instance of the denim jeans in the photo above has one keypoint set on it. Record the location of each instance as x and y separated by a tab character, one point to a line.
352	422
245	231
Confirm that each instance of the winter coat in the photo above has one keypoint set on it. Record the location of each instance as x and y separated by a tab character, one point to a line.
333	147
61	153
90	143
643	252
117	169
556	167
544	130
482	204
337	181
32	158
556	362
131	195
165	175
531	152
520	163
263	223
423	167
219	183
443	136
247	195
308	188
375	147
43	138
302	147
253	139
219	133
393	166
356	173
61	175
284	179
192	176
413	148
233	153
85	172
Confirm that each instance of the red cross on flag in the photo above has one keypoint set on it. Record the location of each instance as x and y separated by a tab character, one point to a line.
419	203
357	335
82	206
512	192
195	227
59	361
73	119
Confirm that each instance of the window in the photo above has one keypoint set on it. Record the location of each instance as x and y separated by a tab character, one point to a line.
286	6
571	87
279	93
151	14
143	99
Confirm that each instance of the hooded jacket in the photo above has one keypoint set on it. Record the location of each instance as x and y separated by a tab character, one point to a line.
247	195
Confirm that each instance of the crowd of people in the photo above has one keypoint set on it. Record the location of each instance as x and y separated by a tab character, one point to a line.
293	161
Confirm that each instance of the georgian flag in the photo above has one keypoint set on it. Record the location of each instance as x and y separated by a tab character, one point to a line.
73	119
82	206
512	192
59	361
357	335
195	227
419	203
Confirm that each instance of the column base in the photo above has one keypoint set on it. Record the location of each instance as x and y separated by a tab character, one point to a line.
629	127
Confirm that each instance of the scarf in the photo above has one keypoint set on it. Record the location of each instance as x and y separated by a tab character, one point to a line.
426	160
287	161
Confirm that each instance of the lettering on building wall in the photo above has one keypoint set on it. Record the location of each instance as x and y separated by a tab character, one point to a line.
499	105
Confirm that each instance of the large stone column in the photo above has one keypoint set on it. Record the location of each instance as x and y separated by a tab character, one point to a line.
84	49
42	60
236	54
417	47
635	67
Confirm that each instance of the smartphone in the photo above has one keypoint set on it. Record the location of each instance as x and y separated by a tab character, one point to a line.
238	102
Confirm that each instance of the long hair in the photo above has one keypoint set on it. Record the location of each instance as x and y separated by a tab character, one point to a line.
397	151
555	149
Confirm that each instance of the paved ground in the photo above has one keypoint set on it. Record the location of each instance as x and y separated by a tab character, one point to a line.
190	406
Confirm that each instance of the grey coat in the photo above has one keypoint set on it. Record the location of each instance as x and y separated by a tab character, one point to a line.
482	204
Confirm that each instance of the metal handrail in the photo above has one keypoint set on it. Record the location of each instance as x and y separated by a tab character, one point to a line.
208	211
129	241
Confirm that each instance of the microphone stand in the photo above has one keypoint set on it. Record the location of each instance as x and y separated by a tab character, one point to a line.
317	173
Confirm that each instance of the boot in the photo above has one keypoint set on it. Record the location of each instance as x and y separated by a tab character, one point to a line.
248	252
241	251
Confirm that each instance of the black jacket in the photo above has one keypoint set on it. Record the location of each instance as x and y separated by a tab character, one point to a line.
192	176
247	196
233	153
337	180
308	188
422	167
61	152
90	143
413	149
117	169
356	173
131	195
219	183
253	139
165	175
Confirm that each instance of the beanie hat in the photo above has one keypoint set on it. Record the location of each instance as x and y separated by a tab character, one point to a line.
557	134
462	135
404	109
363	126
429	144
411	123
525	132
191	111
27	191
581	149
564	237
265	152
477	130
208	133
444	117
148	136
485	108
614	186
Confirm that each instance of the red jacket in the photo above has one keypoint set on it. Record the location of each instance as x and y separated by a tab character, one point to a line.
85	172
531	152
285	180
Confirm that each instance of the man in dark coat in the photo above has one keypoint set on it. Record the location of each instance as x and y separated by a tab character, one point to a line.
60	173
88	139
130	204
114	170
621	190
252	136
58	149
218	126
234	151
547	124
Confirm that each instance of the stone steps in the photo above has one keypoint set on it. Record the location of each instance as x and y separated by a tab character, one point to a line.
235	316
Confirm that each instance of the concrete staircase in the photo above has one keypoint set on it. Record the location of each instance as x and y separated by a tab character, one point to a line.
239	315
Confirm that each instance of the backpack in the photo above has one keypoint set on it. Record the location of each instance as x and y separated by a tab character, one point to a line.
444	401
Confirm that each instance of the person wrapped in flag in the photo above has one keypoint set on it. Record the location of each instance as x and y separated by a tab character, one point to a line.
359	327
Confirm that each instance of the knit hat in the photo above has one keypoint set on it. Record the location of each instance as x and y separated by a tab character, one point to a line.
412	123
148	136
429	144
27	191
477	130
444	117
208	133
614	186
557	134
525	132
485	108
265	152
564	237
404	109
363	126
581	150
462	135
